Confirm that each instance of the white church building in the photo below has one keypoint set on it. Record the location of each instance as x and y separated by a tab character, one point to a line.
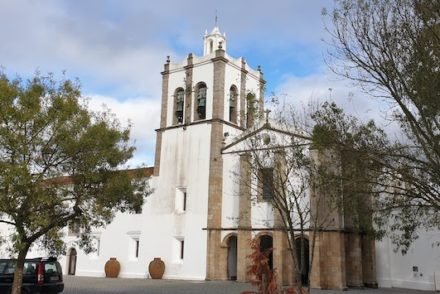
194	220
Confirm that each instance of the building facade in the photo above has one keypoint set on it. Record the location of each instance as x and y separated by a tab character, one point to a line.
197	220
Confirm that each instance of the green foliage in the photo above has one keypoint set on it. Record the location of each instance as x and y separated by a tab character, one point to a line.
357	146
58	162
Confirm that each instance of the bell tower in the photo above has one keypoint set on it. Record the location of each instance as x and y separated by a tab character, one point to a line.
204	99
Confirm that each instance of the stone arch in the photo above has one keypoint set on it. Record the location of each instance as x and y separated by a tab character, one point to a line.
303	257
265	239
233	104
230	242
179	105
200	100
71	261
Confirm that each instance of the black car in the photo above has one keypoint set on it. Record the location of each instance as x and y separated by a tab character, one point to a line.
40	275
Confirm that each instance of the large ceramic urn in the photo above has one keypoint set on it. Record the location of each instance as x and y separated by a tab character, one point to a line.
112	268
156	268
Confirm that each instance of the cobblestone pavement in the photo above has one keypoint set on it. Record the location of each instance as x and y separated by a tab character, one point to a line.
87	285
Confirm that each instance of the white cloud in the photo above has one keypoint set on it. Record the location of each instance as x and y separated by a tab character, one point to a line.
144	115
326	86
117	49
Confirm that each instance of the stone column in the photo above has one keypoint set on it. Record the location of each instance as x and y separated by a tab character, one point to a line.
163	116
329	265
353	253
243	251
316	280
333	261
369	262
188	88
282	260
261	98
244	73
215	186
244	223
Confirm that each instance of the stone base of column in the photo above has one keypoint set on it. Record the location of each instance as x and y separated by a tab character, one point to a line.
243	251
217	260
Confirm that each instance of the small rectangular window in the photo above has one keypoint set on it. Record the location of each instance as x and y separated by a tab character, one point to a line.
98	246
267	183
137	249
182	248
181	200
133	245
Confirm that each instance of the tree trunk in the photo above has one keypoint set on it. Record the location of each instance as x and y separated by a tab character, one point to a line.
18	276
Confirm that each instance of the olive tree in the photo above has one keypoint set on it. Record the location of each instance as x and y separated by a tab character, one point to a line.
58	164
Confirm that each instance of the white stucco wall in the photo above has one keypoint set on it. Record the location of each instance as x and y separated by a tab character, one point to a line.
160	227
396	270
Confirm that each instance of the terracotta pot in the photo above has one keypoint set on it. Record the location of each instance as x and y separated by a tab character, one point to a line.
112	268
156	268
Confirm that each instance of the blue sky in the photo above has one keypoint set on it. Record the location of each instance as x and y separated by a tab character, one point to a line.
117	49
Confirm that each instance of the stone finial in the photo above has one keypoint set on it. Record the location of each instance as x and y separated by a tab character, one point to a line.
168	59
267	111
190	58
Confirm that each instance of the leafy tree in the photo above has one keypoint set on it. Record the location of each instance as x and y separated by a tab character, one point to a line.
359	177
58	164
391	48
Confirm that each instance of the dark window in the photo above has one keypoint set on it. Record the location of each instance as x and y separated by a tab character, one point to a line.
182	248
201	102
267	182
233	97
266	246
180	101
184	201
137	249
302	255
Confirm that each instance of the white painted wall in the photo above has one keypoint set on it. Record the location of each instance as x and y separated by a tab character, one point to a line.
396	270
184	164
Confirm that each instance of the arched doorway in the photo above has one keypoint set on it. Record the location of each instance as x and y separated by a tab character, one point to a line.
266	242
302	255
71	261
232	258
